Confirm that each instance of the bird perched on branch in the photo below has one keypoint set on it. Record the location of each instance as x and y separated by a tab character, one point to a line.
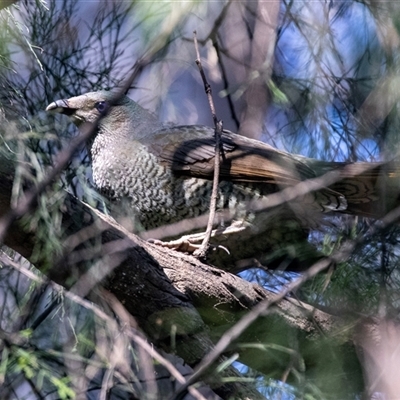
166	175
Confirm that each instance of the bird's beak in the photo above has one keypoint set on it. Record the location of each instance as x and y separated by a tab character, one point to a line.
61	107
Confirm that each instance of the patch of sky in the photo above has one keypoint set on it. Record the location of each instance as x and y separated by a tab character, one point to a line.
328	59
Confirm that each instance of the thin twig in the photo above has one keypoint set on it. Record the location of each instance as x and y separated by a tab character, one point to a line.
225	81
201	252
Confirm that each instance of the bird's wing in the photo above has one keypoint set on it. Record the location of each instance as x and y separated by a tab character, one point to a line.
190	150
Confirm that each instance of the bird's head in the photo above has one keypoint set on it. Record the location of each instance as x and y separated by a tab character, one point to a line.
118	115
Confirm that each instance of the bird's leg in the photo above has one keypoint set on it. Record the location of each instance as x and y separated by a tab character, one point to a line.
190	243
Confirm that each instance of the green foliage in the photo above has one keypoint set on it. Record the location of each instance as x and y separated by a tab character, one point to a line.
34	367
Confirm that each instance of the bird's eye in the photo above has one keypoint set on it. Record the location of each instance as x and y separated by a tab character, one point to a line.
101	107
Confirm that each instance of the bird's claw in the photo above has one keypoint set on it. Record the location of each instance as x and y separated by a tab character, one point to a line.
183	244
191	243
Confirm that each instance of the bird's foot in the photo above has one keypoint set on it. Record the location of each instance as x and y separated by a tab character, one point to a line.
192	242
185	244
